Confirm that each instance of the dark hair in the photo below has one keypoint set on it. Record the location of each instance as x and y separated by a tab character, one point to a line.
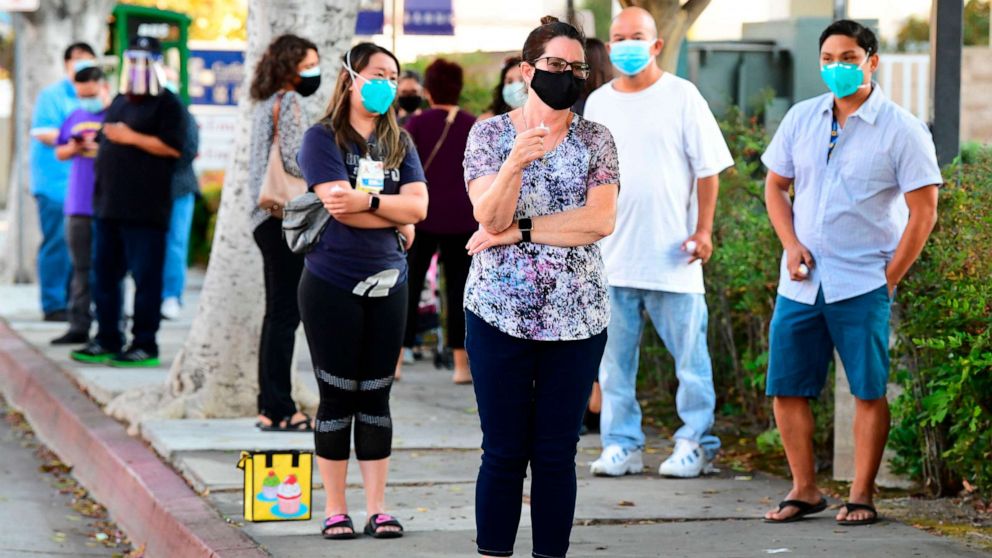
599	60
279	65
550	28
391	141
77	47
865	37
411	74
444	80
499	106
89	75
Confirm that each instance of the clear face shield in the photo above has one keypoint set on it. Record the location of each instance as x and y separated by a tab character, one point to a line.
142	73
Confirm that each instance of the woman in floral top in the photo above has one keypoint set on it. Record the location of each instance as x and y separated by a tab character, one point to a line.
543	182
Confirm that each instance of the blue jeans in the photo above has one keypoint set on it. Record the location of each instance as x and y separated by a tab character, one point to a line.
119	248
680	320
177	247
531	397
54	265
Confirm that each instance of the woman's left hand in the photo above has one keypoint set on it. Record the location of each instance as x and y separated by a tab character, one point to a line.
408	232
344	201
483	239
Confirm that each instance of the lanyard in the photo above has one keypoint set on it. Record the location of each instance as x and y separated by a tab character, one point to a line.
834	133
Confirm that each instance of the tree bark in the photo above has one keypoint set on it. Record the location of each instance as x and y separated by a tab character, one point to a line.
216	372
673	20
41	37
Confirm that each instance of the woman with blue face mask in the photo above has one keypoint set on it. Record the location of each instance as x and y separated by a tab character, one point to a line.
511	91
287	72
353	294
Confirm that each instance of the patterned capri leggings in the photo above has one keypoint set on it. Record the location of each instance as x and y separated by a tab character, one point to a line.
354	344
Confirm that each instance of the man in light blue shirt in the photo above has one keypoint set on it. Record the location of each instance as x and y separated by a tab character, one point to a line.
49	180
865	177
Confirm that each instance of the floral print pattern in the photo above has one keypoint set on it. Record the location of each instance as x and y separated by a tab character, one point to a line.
535	291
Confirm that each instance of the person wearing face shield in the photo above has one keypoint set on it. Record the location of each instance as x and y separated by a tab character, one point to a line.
49	180
141	140
856	162
671	153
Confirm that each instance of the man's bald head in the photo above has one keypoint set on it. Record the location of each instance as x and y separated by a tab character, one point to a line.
633	23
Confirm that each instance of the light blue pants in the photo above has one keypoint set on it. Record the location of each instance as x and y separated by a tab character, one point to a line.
680	320
177	247
54	265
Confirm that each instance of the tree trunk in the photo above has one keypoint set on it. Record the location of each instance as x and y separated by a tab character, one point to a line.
41	37
216	372
673	20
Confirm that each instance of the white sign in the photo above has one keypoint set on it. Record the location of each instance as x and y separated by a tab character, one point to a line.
218	131
19	5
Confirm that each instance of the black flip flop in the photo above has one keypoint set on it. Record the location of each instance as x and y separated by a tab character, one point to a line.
379	520
305	425
851	507
341	521
804	509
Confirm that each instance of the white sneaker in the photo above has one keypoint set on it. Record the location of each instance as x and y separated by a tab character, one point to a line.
616	461
171	308
408	357
686	462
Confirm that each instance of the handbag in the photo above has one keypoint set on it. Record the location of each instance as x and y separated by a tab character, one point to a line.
304	221
278	186
278	485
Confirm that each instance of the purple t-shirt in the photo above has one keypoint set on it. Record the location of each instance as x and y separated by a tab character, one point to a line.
450	209
79	196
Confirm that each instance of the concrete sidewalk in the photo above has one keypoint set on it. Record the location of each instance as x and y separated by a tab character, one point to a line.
432	479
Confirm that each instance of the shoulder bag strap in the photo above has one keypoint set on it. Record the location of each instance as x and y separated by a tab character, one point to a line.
452	113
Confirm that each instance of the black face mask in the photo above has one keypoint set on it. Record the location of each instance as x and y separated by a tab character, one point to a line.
558	90
410	103
308	85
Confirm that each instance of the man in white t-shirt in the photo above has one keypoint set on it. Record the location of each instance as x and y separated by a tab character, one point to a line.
671	151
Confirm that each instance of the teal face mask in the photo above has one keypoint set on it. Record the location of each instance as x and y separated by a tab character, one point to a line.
377	94
515	94
843	79
631	57
92	105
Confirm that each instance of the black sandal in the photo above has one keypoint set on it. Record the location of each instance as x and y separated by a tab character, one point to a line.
284	425
340	521
851	507
803	509
380	520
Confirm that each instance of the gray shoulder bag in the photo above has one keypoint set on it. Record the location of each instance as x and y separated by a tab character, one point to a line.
303	222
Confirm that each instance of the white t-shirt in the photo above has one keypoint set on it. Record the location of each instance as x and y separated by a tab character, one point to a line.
666	138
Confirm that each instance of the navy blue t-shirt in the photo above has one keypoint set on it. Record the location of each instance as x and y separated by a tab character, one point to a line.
366	262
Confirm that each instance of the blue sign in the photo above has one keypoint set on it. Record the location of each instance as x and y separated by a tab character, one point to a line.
428	17
215	77
370	18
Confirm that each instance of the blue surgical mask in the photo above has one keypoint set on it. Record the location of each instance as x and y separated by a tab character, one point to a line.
632	56
172	86
377	94
515	94
842	78
92	105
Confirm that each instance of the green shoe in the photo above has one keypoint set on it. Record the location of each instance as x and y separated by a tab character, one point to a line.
134	358
93	353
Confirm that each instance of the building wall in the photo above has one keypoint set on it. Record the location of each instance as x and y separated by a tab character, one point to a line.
976	103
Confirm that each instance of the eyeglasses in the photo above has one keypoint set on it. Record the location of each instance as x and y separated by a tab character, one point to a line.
557	65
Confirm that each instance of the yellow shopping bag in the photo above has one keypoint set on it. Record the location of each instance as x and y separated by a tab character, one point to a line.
278	485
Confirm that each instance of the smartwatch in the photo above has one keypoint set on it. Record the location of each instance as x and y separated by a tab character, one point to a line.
373	202
526	225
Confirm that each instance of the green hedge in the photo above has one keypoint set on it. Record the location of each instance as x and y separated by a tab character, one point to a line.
943	420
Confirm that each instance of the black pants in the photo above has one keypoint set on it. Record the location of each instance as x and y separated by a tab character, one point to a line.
531	397
282	269
119	248
456	264
354	342
79	238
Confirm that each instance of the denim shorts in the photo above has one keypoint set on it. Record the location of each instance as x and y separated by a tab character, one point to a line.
803	338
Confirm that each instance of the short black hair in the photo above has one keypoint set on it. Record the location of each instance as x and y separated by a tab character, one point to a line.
77	47
89	75
411	74
865	37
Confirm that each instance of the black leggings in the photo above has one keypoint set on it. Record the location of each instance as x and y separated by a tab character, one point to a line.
456	263
354	343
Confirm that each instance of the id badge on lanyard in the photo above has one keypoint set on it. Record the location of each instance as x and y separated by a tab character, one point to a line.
371	176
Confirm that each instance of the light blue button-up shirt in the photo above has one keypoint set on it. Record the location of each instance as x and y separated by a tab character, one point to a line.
49	176
850	212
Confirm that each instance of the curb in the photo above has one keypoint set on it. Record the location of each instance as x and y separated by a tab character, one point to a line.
150	501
